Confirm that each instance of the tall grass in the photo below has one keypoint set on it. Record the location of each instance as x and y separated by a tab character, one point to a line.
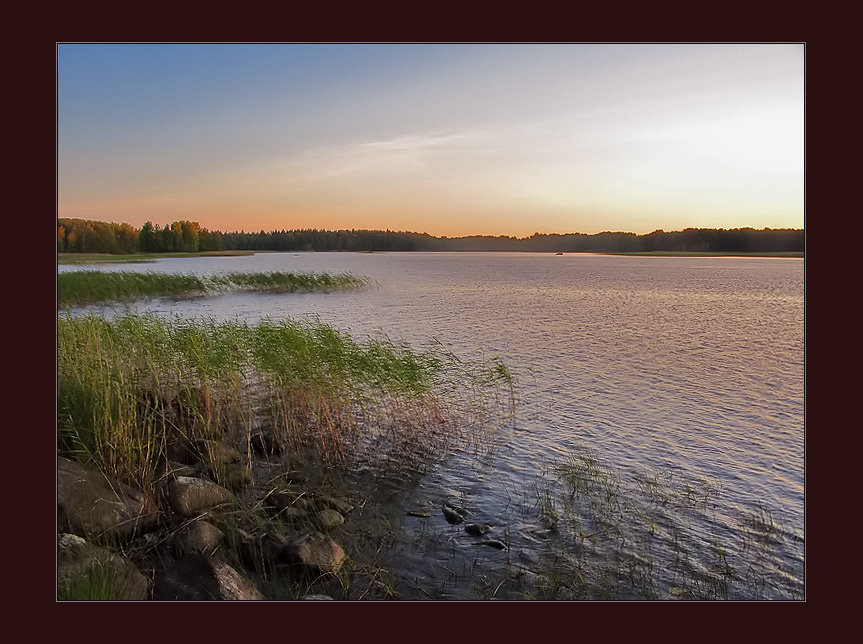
77	288
130	387
98	581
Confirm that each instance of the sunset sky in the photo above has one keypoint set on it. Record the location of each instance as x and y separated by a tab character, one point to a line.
448	139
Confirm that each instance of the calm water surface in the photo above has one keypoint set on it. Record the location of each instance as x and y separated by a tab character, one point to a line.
688	371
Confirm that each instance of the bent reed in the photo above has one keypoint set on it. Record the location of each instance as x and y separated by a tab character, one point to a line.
76	288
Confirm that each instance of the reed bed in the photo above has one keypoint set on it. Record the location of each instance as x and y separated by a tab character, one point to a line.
77	288
130	387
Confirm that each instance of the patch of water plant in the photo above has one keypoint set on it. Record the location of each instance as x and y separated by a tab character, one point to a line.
657	537
76	288
136	390
127	386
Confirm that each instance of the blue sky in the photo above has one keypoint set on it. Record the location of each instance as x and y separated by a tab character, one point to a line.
450	139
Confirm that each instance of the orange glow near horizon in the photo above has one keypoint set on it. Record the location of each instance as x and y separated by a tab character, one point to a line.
449	140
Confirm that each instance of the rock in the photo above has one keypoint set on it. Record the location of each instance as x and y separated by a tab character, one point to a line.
451	515
190	497
188	579
477	529
216	454
200	537
317	598
256	551
494	543
232	585
224	464
196	577
316	553
281	499
235	476
458	510
341	506
327	519
86	571
292	514
93	506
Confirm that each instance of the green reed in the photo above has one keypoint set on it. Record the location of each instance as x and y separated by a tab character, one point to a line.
76	288
98	581
130	386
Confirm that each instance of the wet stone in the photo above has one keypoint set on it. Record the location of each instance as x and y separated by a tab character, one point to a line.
200	537
494	543
316	553
451	515
477	529
339	505
327	519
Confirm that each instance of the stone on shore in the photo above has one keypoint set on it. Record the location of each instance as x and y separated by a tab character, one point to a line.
316	553
93	506
196	577
191	497
327	519
86	571
323	501
200	537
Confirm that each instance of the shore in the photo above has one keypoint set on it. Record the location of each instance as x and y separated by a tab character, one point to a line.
113	258
663	253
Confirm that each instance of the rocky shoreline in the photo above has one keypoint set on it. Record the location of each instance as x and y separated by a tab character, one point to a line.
219	520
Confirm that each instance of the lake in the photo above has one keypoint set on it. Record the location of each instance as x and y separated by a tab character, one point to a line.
681	378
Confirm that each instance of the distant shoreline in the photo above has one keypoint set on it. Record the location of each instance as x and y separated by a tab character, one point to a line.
682	253
113	258
87	258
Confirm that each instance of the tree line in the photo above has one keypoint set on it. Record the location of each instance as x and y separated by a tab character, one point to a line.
86	236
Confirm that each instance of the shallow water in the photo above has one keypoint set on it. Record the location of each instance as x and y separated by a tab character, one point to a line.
688	371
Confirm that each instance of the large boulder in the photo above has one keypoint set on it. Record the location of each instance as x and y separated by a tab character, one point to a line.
91	505
191	496
86	571
197	577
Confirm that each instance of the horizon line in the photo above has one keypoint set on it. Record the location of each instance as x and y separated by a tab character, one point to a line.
413	232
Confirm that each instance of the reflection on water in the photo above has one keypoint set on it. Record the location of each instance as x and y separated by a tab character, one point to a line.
682	374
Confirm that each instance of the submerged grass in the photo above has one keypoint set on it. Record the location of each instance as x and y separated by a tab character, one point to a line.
76	288
658	539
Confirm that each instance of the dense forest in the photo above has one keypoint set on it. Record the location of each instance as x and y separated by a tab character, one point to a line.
86	236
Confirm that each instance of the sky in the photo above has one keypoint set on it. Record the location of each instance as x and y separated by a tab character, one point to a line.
447	139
